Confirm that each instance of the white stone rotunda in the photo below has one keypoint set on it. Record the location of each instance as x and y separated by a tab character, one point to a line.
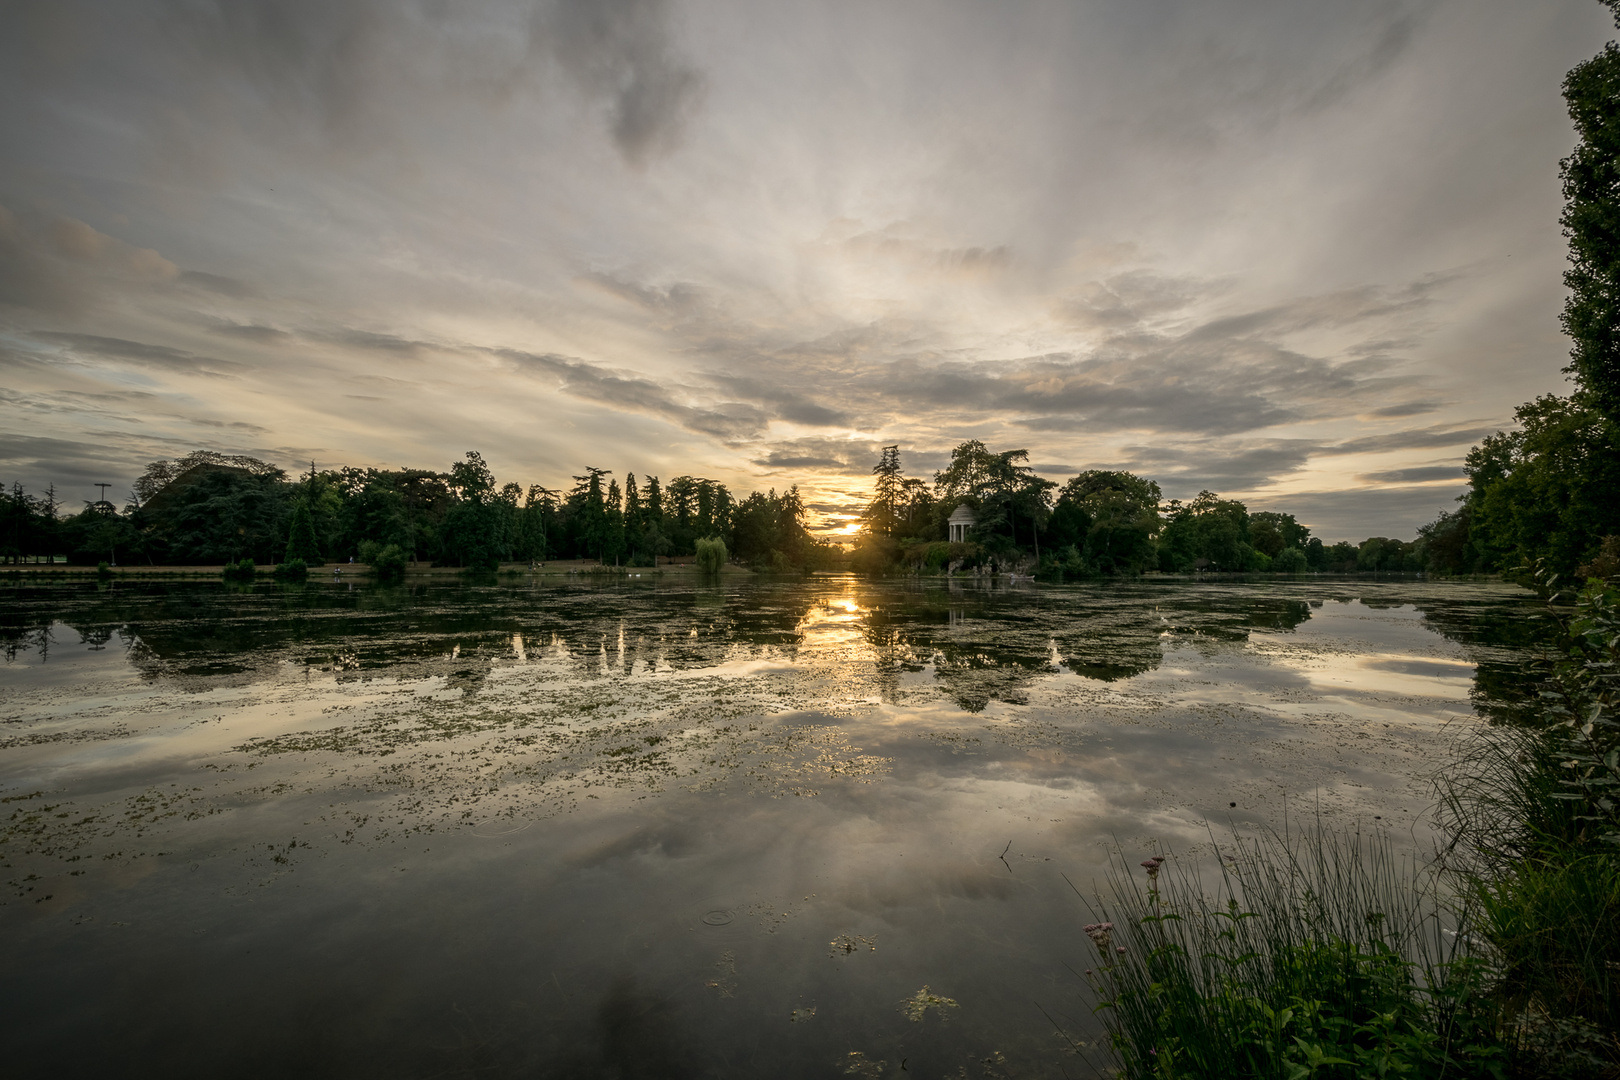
961	521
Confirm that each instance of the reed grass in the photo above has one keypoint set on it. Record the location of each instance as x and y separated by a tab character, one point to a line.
1324	954
1316	954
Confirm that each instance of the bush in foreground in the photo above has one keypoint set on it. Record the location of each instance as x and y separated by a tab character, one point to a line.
1314	956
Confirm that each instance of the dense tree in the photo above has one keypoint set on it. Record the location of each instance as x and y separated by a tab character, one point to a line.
1108	521
29	528
474	533
882	516
1011	503
1591	221
1546	490
301	542
1272	533
768	531
1208	533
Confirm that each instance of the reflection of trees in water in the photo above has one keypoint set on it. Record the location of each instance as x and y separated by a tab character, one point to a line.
634	1035
983	643
18	635
1502	635
988	645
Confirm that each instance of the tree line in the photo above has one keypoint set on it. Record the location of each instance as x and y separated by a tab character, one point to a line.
208	508
1099	523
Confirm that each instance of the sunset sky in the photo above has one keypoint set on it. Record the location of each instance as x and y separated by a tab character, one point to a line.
1300	252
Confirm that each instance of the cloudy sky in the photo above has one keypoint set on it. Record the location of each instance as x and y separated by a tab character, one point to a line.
1300	252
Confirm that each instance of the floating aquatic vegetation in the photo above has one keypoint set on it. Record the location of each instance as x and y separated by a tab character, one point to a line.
858	1064
801	1014
848	944
916	1007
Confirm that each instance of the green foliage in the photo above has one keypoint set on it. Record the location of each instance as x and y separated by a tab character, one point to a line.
389	563
1591	221
28	525
1314	955
711	555
1555	927
1536	834
1289	561
1271	532
301	543
1545	491
1111	519
1011	503
768	532
292	570
1209	533
240	571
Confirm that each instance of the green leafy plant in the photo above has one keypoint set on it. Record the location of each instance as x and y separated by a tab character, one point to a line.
292	570
240	571
711	555
389	563
1316	955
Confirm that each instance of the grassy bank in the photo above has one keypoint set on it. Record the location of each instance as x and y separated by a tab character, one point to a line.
1322	954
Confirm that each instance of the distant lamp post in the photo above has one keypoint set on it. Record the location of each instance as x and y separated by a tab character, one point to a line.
105	507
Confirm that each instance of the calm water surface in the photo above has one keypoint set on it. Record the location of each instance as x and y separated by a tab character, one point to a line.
656	829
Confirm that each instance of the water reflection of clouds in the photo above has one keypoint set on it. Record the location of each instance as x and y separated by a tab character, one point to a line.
911	765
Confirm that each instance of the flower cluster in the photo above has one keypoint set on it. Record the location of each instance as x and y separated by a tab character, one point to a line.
1152	866
1101	935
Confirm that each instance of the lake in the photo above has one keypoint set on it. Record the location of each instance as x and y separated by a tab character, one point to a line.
819	827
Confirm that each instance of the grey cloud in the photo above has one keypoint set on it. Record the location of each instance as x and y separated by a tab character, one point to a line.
830	455
681	299
216	283
1436	436
729	421
76	465
234	425
264	335
1351	515
1420	475
1410	408
621	51
27	279
365	339
783	401
105	405
1185	470
139	352
1130	299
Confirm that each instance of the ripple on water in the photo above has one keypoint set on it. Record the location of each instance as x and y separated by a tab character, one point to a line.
501	826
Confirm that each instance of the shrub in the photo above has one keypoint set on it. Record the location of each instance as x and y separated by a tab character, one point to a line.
1289	561
105	571
293	570
1317	955
711	555
389	563
240	571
